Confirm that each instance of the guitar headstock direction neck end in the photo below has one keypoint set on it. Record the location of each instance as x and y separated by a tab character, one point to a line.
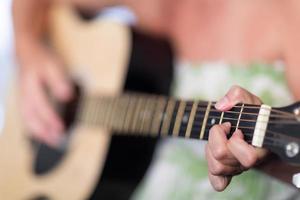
297	113
296	180
292	149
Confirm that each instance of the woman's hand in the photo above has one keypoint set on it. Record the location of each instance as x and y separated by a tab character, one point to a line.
42	71
229	157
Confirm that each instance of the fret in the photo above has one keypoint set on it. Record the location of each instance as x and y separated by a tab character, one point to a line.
111	121
99	110
140	117
143	115
92	112
110	112
167	117
121	113
106	102
95	106
212	120
89	117
81	114
232	117
205	120
117	114
136	116
149	117
191	119
198	120
221	118
185	118
129	113
158	115
124	112
173	118
178	119
239	118
248	121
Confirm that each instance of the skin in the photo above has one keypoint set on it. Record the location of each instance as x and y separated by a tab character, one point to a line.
256	30
228	157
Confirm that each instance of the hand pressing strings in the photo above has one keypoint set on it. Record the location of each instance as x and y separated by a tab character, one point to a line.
229	157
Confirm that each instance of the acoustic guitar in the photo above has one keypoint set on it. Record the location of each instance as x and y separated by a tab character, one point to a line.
103	57
101	108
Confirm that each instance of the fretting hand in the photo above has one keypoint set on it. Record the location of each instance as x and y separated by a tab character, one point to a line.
229	157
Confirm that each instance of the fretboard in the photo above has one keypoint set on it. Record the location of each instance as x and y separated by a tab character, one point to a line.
164	116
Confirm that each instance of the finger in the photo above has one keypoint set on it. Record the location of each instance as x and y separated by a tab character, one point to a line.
217	143
246	154
57	81
45	110
35	98
219	183
217	168
36	127
236	95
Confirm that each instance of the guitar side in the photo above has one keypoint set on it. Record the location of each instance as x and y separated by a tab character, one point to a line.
96	54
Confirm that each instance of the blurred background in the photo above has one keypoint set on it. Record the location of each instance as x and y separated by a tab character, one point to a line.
6	51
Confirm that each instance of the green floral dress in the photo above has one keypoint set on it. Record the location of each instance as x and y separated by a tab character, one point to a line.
179	169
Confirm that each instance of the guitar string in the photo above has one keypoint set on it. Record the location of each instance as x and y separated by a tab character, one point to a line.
250	120
198	128
293	119
248	113
251	128
195	122
267	137
203	103
244	113
279	142
255	114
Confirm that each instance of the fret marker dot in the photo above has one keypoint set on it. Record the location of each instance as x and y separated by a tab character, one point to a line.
213	121
185	119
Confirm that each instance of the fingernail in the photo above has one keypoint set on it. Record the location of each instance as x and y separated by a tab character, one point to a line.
239	133
222	103
227	124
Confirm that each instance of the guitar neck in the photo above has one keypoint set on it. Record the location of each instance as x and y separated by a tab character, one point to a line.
165	116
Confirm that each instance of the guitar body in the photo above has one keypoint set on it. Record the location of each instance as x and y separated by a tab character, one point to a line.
99	56
100	66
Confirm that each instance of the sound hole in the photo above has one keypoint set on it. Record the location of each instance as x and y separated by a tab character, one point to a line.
46	157
40	197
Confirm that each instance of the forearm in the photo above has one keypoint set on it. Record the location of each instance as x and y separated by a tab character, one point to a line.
29	20
29	16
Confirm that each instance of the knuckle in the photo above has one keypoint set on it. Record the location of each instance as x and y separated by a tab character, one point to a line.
236	92
217	169
214	129
219	153
256	100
